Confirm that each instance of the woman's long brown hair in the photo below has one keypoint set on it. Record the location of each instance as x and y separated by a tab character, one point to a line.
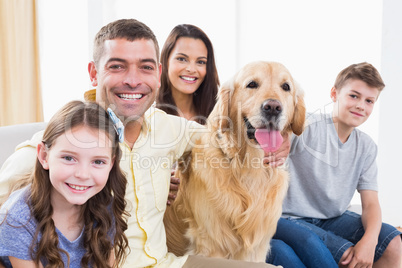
204	98
103	214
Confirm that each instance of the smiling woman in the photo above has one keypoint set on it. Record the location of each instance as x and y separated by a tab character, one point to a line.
189	81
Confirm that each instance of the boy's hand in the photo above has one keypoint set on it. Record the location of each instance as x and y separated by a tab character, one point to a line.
174	187
278	158
361	255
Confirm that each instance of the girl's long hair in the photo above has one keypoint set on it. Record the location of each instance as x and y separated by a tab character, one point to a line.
103	215
204	98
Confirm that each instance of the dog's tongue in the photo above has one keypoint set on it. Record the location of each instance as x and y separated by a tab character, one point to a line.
269	141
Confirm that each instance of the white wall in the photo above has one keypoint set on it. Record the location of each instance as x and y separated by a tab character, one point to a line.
63	44
390	128
315	39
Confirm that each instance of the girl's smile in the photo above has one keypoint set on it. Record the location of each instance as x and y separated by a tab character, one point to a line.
79	162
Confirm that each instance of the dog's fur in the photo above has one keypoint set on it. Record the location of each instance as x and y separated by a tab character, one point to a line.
229	202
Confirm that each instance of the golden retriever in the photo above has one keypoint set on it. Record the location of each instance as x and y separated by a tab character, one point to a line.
229	202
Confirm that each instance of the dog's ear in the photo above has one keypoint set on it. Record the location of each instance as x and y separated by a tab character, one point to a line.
299	116
223	107
221	121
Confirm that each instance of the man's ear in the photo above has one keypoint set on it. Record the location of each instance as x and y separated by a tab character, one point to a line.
42	154
93	73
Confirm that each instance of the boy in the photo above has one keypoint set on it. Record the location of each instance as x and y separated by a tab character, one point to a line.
331	160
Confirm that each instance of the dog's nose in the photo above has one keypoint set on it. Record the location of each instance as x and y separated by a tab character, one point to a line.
271	107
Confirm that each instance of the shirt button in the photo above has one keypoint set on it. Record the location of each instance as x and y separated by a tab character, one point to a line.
164	165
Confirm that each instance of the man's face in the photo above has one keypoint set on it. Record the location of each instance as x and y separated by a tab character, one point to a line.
127	77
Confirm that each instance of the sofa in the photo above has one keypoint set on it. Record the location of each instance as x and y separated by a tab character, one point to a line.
11	136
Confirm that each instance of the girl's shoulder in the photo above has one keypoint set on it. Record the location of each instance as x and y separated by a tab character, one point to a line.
16	209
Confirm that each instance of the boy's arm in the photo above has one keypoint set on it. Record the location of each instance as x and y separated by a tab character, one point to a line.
371	216
363	251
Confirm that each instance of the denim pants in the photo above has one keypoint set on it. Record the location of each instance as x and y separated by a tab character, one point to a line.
340	233
295	246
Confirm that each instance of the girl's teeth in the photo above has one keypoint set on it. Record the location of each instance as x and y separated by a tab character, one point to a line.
79	188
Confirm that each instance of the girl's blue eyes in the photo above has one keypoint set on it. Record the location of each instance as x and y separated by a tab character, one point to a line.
96	162
68	158
99	162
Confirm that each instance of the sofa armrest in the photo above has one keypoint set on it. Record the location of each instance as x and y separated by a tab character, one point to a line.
11	136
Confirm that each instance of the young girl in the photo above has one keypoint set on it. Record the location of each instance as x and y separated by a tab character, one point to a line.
189	80
71	214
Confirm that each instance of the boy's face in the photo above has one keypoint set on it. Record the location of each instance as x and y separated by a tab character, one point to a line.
354	102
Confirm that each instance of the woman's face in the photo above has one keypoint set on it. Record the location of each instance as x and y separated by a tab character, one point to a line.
187	65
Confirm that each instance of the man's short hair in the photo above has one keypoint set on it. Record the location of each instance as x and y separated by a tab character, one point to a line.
361	71
130	29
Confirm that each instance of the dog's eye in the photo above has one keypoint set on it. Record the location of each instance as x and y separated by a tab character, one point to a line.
252	84
285	86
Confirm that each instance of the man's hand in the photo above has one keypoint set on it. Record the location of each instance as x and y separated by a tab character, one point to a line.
278	158
174	187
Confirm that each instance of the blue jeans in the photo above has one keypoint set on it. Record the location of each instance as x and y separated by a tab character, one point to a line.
342	232
282	254
305	246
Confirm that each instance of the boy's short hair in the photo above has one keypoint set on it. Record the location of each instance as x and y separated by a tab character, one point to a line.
130	29
361	71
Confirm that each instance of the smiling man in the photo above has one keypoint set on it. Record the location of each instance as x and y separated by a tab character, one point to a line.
126	75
